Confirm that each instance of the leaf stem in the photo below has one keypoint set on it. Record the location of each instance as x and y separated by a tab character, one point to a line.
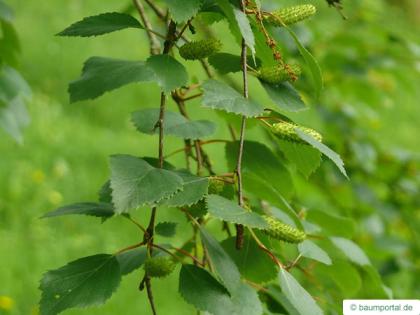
201	144
135	223
265	249
126	249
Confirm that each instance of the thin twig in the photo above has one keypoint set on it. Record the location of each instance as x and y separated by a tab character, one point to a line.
159	12
135	223
265	249
192	97
126	249
148	237
240	227
154	43
201	144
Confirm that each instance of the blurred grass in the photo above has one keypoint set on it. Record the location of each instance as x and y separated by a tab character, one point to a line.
64	158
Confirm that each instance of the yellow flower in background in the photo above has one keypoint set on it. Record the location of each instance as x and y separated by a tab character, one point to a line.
6	303
55	198
38	176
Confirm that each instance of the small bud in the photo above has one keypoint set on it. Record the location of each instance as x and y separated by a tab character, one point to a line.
278	74
287	131
200	49
291	15
282	231
159	266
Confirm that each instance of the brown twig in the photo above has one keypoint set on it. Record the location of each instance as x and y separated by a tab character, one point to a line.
201	144
148	236
265	249
126	249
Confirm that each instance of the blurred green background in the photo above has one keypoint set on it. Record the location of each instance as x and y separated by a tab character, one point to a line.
369	113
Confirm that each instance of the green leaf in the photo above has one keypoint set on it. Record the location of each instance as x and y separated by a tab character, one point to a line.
135	182
263	173
305	158
218	95
169	73
333	156
102	75
226	63
301	300
285	96
131	260
101	24
344	275
199	288
311	62
105	193
283	305
14	91
9	43
221	262
310	250
238	23
253	264
14	118
6	13
166	229
194	188
351	250
183	10
101	210
332	224
88	281
12	85
229	211
372	285
245	301
175	124
245	28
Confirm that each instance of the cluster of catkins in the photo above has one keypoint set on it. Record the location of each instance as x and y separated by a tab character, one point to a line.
161	266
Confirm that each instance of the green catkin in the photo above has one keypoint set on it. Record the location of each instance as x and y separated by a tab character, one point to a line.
282	231
287	131
278	74
159	267
291	15
200	49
